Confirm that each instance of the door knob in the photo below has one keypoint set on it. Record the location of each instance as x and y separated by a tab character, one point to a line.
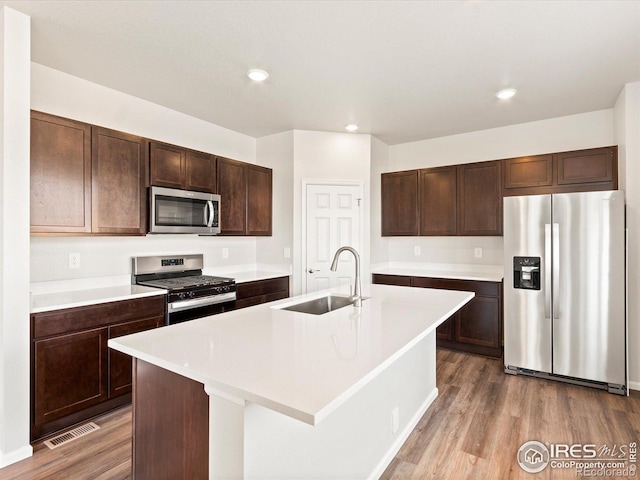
311	270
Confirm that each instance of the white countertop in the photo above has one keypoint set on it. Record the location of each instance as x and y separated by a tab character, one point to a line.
78	298
69	294
301	365
485	273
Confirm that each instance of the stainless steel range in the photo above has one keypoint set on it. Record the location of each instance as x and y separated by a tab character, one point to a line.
191	294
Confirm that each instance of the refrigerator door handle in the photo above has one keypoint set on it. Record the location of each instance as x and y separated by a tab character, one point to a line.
547	270
556	270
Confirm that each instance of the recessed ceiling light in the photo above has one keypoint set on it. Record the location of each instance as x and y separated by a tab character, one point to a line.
351	127
506	93
257	75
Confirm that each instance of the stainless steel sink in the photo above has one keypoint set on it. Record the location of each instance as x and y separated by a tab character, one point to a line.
321	305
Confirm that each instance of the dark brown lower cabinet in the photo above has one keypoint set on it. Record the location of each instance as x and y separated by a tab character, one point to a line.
261	291
75	376
170	425
476	327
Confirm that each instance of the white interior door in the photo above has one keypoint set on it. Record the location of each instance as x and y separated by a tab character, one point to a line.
333	220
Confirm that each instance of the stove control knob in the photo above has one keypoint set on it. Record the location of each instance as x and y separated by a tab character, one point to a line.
181	296
192	294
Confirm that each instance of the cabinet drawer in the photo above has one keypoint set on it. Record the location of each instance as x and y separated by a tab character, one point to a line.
491	289
81	318
262	287
399	280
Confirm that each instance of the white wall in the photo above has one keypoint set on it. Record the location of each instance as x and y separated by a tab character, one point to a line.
379	164
575	132
627	129
15	55
331	157
276	152
61	94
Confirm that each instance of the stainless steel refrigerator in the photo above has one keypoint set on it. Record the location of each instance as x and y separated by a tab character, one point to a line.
564	288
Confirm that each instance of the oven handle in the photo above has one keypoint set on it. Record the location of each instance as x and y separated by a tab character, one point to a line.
201	302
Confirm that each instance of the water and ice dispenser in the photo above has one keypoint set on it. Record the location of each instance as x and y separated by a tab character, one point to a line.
526	273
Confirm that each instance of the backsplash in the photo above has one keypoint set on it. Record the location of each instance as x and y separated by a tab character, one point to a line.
111	256
450	250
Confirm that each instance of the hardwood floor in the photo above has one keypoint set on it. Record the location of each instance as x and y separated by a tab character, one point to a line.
472	431
102	455
482	416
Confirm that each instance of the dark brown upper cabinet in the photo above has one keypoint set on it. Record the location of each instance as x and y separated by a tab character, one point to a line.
246	198
536	171
400	203
597	165
60	175
259	200
564	172
86	179
452	200
181	168
480	198
438	201
118	187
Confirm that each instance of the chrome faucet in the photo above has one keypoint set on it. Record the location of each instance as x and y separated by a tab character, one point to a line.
356	298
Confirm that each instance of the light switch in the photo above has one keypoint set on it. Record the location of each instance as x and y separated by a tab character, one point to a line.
225	252
417	250
287	252
477	252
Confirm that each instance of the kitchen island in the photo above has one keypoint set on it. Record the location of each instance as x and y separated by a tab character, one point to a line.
265	392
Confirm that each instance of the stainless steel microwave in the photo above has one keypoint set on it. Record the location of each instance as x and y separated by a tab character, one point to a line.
182	211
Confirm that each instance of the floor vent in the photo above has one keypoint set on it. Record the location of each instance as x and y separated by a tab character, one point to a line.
71	435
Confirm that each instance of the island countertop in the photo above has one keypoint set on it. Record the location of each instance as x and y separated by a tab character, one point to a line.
301	365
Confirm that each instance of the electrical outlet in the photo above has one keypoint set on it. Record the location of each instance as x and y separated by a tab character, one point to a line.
417	250
287	252
477	252
74	261
395	420
225	252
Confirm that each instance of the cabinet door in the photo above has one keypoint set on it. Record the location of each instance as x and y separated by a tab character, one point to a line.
60	175
200	172
438	200
445	330
120	363
587	166
480	199
478	322
167	165
259	195
70	374
526	172
232	187
400	203
119	194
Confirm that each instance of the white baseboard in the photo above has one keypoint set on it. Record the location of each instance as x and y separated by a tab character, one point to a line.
402	437
15	456
634	385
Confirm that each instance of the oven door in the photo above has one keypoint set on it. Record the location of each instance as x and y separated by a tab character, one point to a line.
182	211
184	310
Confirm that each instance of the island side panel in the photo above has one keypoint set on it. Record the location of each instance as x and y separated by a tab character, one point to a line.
358	439
170	425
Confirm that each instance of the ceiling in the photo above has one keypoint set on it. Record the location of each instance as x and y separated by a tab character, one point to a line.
403	71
